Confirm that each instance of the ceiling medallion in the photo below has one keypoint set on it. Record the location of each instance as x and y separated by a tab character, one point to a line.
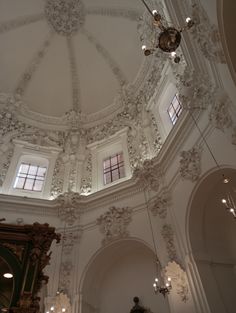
65	16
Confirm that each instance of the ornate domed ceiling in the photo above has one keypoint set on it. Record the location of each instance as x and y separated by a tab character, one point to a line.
62	55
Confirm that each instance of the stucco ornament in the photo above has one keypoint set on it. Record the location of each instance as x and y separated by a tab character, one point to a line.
195	90
161	203
190	164
168	236
65	275
113	224
61	300
206	34
150	174
178	279
220	115
69	239
68	207
65	16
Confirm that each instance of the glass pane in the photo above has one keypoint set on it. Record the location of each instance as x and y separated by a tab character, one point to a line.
107	178
24	168
115	175
114	160
41	171
38	185
33	170
106	163
120	157
29	184
19	182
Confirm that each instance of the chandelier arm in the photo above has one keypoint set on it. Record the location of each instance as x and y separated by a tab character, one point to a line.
147	7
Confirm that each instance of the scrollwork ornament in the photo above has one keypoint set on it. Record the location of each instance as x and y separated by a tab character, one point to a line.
68	207
206	34
113	224
178	279
190	164
149	175
168	236
161	203
220	115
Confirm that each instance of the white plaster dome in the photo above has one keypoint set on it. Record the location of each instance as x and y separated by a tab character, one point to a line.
62	55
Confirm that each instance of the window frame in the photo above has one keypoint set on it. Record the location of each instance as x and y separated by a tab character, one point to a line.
27	176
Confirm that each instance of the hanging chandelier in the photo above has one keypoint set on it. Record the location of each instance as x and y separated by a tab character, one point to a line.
168	38
228	201
160	285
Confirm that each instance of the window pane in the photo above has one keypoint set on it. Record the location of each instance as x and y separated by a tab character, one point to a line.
24	168
115	175
19	183
38	185
174	110
29	184
41	171
106	163
114	160
107	178
33	170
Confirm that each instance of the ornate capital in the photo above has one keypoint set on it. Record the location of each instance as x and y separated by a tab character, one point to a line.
113	224
190	164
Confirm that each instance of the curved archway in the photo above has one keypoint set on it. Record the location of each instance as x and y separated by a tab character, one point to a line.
116	274
212	233
226	19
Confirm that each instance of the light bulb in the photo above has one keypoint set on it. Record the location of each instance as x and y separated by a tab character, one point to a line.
154	285
156	279
154	12
223	201
52	308
231	210
173	54
63	310
7	275
144	47
226	180
169	279
167	284
188	19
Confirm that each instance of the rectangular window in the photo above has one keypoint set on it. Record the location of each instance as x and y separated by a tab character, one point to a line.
113	168
174	110
30	177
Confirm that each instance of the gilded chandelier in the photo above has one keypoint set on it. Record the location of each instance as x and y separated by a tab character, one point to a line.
168	38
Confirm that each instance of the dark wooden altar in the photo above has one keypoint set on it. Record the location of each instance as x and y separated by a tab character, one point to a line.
24	252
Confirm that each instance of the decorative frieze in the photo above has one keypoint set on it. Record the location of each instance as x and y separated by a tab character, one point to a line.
113	224
190	164
179	280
